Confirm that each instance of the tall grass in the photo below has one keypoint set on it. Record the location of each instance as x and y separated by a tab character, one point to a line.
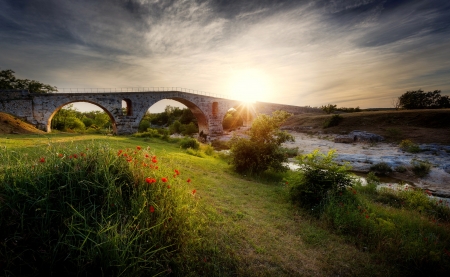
99	211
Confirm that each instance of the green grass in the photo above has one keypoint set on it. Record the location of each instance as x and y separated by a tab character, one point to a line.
234	225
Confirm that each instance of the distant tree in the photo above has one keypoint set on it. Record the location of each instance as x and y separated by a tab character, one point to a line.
262	150
9	81
328	108
418	99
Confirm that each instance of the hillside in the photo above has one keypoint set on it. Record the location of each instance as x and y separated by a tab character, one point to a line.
13	125
420	126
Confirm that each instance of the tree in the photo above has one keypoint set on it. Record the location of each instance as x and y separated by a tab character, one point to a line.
328	108
9	81
262	150
418	99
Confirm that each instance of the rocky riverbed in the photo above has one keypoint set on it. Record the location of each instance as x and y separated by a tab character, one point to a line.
362	155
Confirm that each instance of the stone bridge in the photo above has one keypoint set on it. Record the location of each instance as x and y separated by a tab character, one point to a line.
39	109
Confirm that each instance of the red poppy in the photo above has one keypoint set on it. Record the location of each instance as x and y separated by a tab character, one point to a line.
146	155
82	154
120	152
177	172
174	175
194	191
60	155
164	179
138	148
156	167
148	180
152	209
367	216
154	160
42	160
188	180
75	156
168	186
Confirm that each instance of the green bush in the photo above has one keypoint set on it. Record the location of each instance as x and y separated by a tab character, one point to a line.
400	169
150	133
420	168
334	120
186	143
381	168
262	150
318	177
409	146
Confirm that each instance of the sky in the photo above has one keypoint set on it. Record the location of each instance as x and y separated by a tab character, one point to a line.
350	53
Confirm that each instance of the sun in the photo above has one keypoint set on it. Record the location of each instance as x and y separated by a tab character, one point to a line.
249	85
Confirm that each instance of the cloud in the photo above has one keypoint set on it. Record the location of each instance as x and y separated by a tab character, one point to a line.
361	52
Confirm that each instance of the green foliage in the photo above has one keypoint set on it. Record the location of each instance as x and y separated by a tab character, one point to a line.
334	120
144	125
150	133
418	99
220	145
317	178
348	110
175	127
232	120
92	213
420	168
9	81
261	150
409	146
186	143
400	169
290	152
381	168
328	108
189	129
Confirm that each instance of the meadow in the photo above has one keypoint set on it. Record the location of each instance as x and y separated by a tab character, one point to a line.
83	205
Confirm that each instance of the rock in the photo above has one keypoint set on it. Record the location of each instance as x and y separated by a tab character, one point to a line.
362	136
344	139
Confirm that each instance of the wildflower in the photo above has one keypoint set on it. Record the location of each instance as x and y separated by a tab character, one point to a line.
151	209
146	155
174	175
168	186
75	156
148	180
367	216
154	160
194	191
188	180
42	160
120	152
138	148
164	179
60	155
177	172
156	167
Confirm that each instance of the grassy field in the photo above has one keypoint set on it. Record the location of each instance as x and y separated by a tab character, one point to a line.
237	225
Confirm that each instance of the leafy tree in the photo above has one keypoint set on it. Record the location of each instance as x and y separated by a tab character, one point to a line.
262	150
232	120
328	108
418	99
9	81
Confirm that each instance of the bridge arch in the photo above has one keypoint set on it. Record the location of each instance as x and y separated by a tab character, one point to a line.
60	106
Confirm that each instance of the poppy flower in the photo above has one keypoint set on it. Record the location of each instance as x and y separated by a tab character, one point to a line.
168	186
42	160
120	152
194	191
75	156
138	148
148	180
146	155
156	167
177	172
188	180
164	179
60	155
154	160
152	209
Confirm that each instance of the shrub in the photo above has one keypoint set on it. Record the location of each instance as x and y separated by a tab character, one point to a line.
318	177
186	143
220	145
328	108
208	149
261	150
381	168
290	152
334	120
420	168
150	133
409	146
190	129
400	169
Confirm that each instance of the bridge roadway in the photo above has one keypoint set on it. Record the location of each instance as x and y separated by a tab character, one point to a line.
39	109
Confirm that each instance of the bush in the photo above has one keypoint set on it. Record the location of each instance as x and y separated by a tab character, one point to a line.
418	99
150	133
409	146
419	168
318	177
262	150
189	129
328	108
381	168
186	143
334	120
